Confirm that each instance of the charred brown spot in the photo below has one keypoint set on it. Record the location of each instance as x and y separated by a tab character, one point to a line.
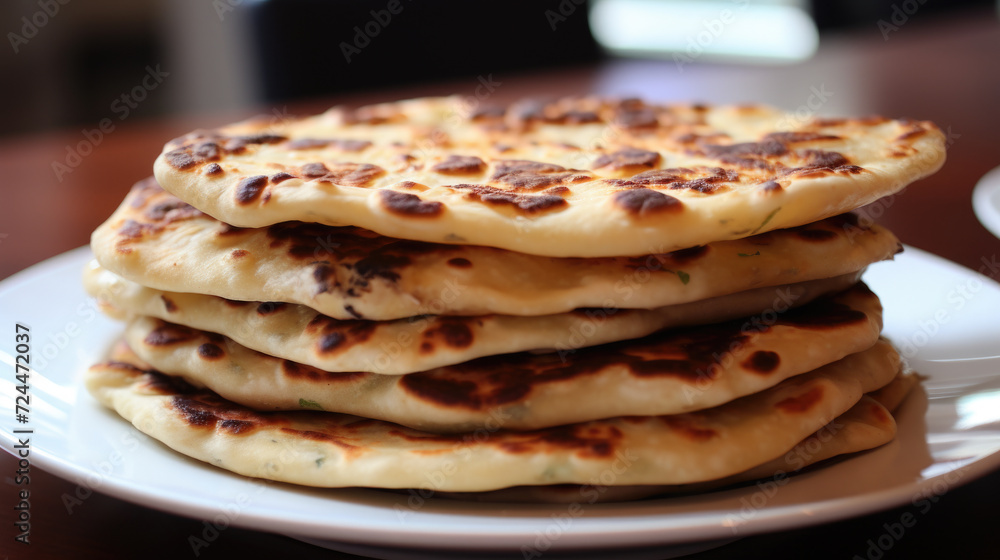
708	184
486	112
260	138
349	174
523	175
280	177
705	180
460	165
762	361
164	384
236	426
411	205
168	304
636	116
801	403
459	262
628	159
454	333
586	441
213	169
239	253
180	159
330	341
687	428
249	189
168	333
292	369
190	156
643	202
171	211
194	412
825	313
849	169
823	158
527	203
131	231
353	312
205	410
324	437
770	187
210	351
313	170
748	155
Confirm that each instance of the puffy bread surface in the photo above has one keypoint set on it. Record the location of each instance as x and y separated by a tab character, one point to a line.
580	177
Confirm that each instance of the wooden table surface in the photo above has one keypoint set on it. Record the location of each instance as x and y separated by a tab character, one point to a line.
946	71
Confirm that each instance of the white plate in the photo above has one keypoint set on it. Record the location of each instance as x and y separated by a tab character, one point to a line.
986	201
941	315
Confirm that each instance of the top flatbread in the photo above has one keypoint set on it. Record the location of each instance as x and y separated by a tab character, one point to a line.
577	177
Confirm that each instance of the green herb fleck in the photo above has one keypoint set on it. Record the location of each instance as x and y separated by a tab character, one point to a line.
684	276
309	404
748	254
767	219
319	462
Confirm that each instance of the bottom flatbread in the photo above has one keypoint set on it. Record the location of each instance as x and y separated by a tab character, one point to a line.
336	450
867	425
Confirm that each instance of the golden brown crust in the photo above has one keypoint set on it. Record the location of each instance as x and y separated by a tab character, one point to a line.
574	177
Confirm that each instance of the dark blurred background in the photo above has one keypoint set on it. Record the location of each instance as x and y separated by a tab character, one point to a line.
71	63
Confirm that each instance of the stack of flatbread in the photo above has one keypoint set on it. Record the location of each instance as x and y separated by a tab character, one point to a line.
522	302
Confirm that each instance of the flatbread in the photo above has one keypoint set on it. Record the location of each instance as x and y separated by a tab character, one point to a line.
335	450
576	177
665	373
348	273
301	334
867	425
